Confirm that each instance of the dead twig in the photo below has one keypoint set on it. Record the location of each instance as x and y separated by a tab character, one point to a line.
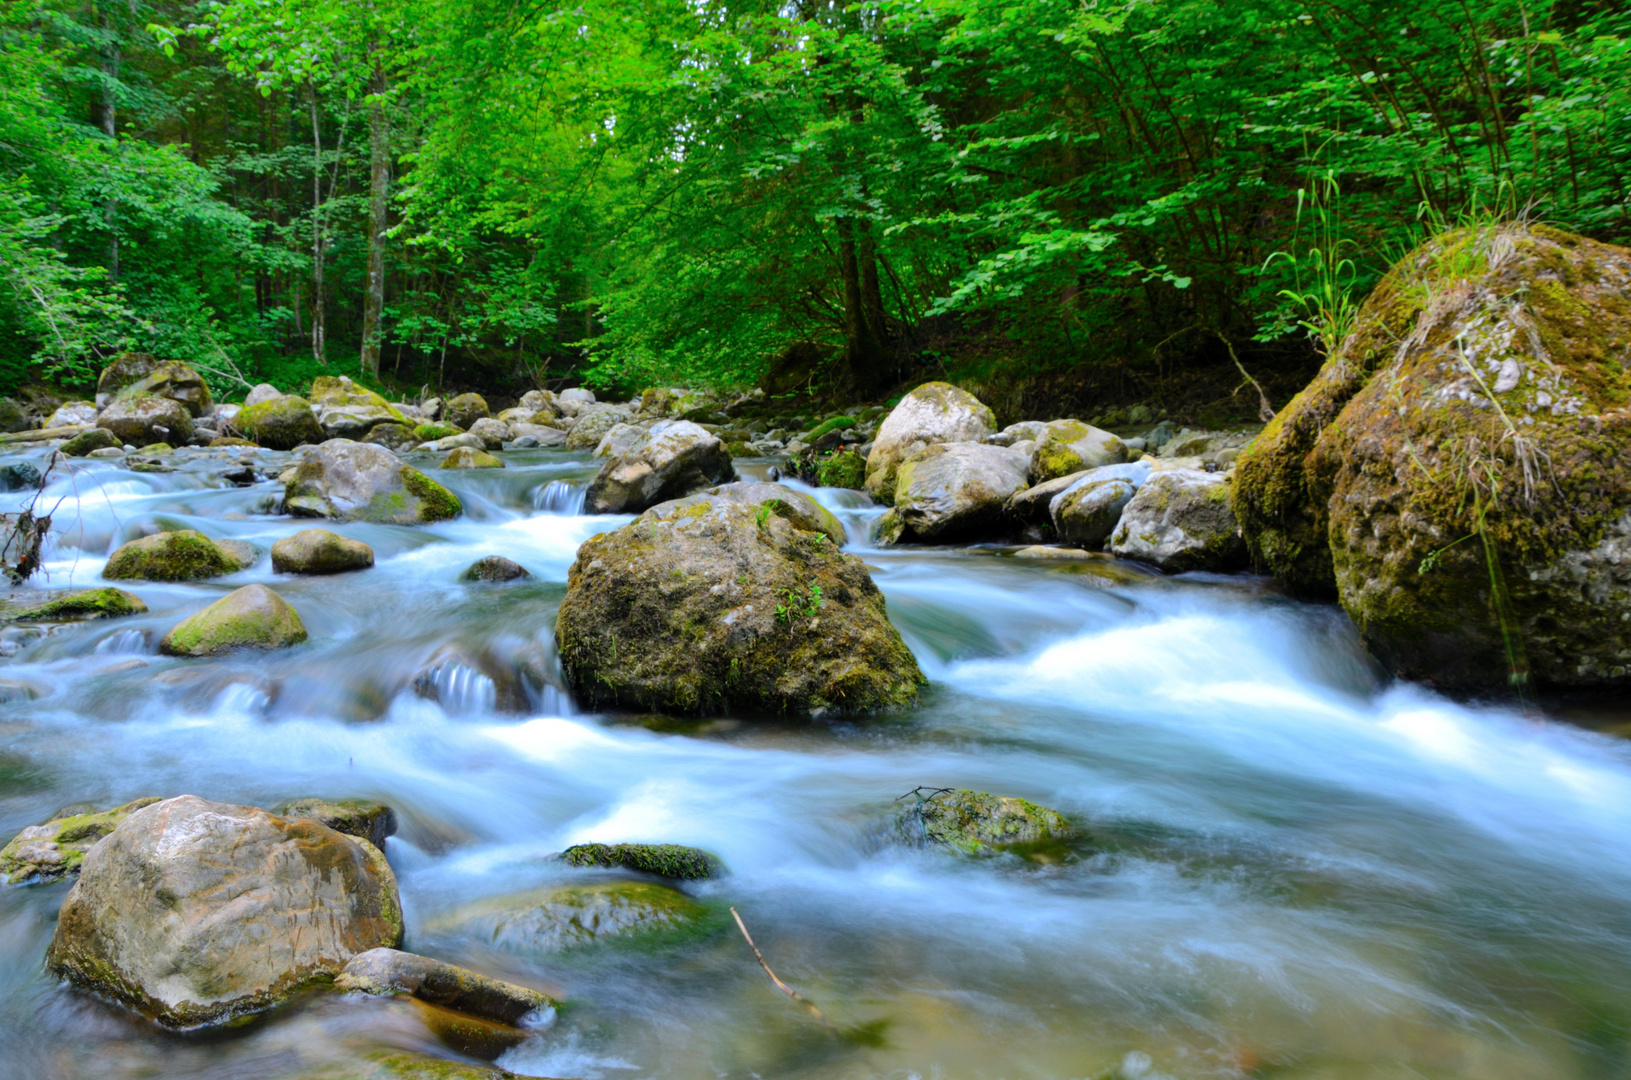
783	987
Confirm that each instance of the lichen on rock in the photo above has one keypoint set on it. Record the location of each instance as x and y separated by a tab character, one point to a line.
974	822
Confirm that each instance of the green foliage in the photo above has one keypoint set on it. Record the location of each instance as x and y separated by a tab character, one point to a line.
800	602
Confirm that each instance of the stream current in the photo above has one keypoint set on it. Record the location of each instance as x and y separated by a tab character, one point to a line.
1287	866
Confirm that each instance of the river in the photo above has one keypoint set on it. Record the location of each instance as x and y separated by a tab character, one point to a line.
1287	866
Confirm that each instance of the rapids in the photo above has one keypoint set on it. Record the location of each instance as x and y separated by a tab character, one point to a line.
1288	866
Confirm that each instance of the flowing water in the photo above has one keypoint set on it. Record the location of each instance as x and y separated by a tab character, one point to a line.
1287	866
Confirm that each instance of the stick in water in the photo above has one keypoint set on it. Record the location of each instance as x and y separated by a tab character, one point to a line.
783	987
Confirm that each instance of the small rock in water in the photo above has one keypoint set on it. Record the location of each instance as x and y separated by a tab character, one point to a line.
194	912
104	603
19	476
549	920
494	568
187	555
49	851
83	444
320	551
975	822
253	617
390	971
372	821
675	861
465	457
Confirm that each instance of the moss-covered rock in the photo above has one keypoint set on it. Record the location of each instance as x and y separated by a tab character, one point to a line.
176	381
122	371
674	861
186	555
391	971
104	603
804	512
465	410
494	568
1068	446
935	412
951	491
464	457
493	433
432	432
391	1065
352	481
320	551
57	848
392	436
975	822
727	607
551	920
282	423
841	468
372	821
1477	487
590	428
95	439
345	410
13	417
140	419
670	459
253	617
1180	520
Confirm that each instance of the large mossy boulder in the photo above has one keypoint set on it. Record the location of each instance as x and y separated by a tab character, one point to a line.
281	423
195	912
951	491
465	410
671	459
71	605
177	382
184	555
123	371
320	551
353	481
935	412
85	442
57	848
1459	473
727	607
1179	520
345	410
253	617
573	916
141	419
975	822
1068	446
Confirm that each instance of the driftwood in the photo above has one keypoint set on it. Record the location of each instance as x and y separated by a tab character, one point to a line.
67	431
22	534
783	987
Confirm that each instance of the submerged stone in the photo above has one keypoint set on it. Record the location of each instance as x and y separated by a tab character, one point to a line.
551	920
390	971
975	822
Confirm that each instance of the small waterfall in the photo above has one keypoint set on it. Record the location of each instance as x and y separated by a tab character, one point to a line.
124	641
458	688
560	497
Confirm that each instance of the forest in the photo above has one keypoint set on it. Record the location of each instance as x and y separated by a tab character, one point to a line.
1049	201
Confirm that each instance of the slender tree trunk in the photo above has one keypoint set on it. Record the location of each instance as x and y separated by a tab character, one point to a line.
379	180
864	354
319	241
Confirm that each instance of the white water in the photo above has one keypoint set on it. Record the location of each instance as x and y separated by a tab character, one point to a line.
1288	867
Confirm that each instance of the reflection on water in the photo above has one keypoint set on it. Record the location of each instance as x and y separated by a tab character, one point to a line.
1287	867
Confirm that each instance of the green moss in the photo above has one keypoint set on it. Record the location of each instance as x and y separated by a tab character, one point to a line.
432	432
837	423
253	617
186	555
105	603
436	502
674	861
976	822
843	468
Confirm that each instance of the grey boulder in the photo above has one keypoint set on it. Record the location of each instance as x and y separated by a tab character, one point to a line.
672	459
1179	520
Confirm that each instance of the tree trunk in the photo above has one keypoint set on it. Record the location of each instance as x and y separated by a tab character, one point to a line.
379	181
319	336
865	358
